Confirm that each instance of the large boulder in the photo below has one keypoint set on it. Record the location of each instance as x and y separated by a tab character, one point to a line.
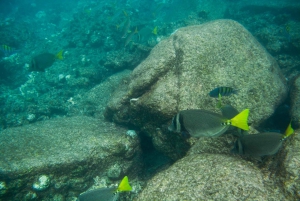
183	69
290	167
63	156
295	100
210	172
210	177
94	101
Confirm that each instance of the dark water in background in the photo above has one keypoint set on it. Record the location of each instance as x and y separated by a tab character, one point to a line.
90	34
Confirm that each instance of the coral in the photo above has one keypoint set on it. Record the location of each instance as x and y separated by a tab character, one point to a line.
42	184
3	188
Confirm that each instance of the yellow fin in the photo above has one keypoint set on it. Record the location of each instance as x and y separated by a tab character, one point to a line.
240	120
59	55
155	30
289	131
124	185
219	104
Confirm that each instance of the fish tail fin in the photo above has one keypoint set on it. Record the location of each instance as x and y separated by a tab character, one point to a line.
289	131
136	30
124	185
59	55
240	120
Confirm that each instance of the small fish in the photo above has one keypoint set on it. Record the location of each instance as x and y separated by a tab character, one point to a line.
7	49
125	13
155	30
198	122
126	28
129	37
262	144
43	61
223	91
287	32
106	194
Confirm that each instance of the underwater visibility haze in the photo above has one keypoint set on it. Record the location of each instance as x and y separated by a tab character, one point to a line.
149	100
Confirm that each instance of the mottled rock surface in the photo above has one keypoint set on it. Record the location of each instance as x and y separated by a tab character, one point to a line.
210	172
69	152
181	70
290	167
295	100
93	102
210	177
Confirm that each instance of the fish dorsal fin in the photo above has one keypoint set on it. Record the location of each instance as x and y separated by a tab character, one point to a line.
124	185
240	120
289	131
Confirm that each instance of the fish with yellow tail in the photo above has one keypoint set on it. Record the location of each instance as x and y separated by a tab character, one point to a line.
43	61
129	37
261	144
106	194
204	123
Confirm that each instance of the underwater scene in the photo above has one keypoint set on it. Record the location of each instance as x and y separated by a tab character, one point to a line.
149	100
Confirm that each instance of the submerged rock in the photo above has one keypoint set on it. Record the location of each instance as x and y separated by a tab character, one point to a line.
94	101
62	156
210	177
290	167
183	69
295	100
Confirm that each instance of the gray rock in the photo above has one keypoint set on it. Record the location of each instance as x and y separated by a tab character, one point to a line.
183	69
211	177
295	100
63	155
289	167
93	102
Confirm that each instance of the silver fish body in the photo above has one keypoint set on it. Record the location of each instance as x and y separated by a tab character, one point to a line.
199	123
257	145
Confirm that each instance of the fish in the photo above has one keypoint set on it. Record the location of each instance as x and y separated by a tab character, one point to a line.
155	30
261	144
287	32
125	13
229	112
129	37
43	61
204	123
289	131
7	49
223	91
126	27
106	194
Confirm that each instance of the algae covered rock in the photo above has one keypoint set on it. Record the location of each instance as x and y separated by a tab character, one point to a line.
181	70
210	177
94	101
290	167
62	157
295	100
